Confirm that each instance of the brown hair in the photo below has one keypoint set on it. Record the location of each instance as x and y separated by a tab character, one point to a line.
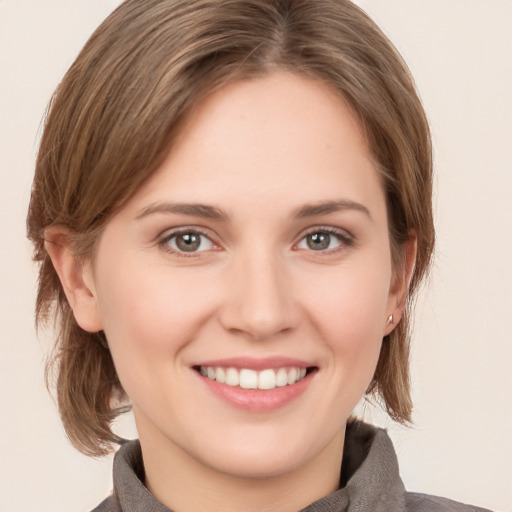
113	119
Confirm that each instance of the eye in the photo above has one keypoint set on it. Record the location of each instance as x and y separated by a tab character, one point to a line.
324	240
188	242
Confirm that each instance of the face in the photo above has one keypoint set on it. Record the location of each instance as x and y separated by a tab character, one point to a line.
244	289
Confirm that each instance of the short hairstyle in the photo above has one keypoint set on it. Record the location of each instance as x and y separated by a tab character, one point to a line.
114	117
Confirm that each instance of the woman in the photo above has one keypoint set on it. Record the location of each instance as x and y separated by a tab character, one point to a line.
232	211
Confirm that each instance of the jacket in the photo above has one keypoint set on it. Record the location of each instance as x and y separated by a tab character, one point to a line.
369	481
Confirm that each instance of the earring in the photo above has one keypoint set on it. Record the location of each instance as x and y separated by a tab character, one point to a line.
390	320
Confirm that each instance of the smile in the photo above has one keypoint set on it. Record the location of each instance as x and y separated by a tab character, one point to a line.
246	378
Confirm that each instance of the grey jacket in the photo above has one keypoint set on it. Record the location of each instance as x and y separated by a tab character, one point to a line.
369	481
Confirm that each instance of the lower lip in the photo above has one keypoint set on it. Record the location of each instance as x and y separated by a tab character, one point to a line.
257	400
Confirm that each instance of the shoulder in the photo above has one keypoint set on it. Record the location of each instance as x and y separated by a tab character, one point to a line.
370	476
110	504
417	502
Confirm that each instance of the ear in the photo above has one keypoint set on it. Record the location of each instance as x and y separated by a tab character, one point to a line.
76	278
400	285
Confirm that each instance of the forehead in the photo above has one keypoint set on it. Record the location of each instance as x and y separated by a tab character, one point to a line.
282	136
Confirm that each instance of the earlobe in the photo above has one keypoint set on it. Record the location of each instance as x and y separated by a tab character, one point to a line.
401	281
76	278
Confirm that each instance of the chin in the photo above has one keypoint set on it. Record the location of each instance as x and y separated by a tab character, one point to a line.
267	454
246	464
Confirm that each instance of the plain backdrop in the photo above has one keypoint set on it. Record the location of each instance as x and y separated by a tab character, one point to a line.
460	52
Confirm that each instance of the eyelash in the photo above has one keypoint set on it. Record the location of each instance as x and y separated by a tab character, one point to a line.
346	240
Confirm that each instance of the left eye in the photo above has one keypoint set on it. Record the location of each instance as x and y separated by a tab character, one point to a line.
320	241
189	241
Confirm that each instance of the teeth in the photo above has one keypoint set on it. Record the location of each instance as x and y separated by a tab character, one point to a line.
251	379
220	375
267	379
232	377
292	375
248	379
282	377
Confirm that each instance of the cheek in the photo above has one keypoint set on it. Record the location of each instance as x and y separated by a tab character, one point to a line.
348	309
149	314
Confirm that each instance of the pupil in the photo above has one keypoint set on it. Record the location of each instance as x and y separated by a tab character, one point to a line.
188	242
319	241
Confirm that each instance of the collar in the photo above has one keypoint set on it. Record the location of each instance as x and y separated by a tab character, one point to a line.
369	478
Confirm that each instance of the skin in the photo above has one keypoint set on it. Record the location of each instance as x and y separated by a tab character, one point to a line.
259	152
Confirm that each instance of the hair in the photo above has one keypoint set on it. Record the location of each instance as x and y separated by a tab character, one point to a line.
114	117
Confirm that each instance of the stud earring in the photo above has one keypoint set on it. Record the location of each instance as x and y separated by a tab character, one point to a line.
390	320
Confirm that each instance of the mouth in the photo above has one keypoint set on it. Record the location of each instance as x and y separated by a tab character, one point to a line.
247	378
257	385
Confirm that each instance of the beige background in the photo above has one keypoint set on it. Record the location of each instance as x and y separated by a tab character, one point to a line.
460	52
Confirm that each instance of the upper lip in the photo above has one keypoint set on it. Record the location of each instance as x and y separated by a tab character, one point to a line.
256	363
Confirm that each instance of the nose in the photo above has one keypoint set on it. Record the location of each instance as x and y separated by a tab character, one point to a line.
259	302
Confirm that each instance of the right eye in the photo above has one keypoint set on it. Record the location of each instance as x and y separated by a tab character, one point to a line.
325	240
187	242
320	241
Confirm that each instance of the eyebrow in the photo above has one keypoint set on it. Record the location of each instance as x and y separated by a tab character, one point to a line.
193	209
211	212
326	207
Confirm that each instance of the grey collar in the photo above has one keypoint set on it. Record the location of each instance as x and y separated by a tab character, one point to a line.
369	478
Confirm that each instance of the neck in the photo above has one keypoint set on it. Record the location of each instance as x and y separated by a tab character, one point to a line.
185	484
